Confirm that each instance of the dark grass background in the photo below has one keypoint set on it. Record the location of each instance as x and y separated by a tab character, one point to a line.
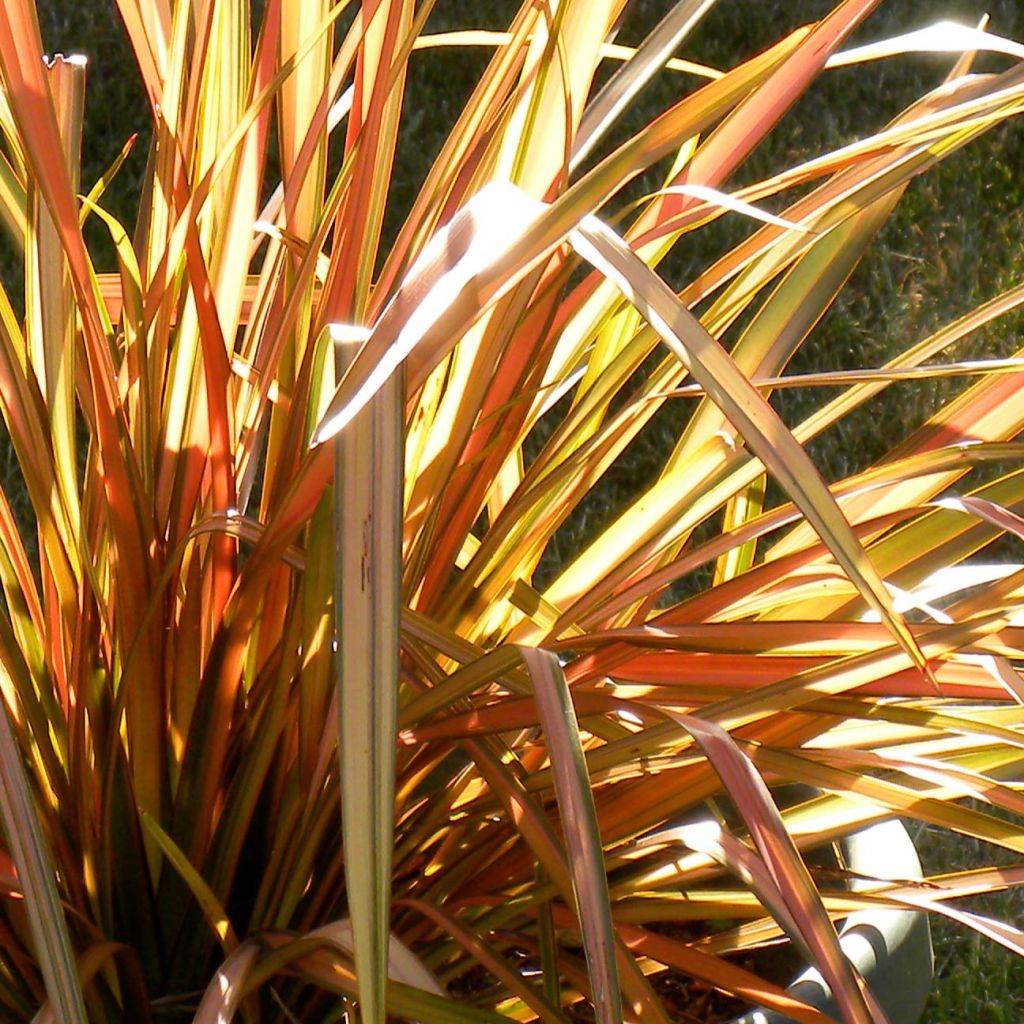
954	241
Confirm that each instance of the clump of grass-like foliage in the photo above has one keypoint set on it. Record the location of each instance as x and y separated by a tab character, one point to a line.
295	724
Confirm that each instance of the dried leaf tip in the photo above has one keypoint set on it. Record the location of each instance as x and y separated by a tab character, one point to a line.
77	60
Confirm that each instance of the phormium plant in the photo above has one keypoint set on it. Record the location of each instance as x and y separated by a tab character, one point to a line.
295	481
